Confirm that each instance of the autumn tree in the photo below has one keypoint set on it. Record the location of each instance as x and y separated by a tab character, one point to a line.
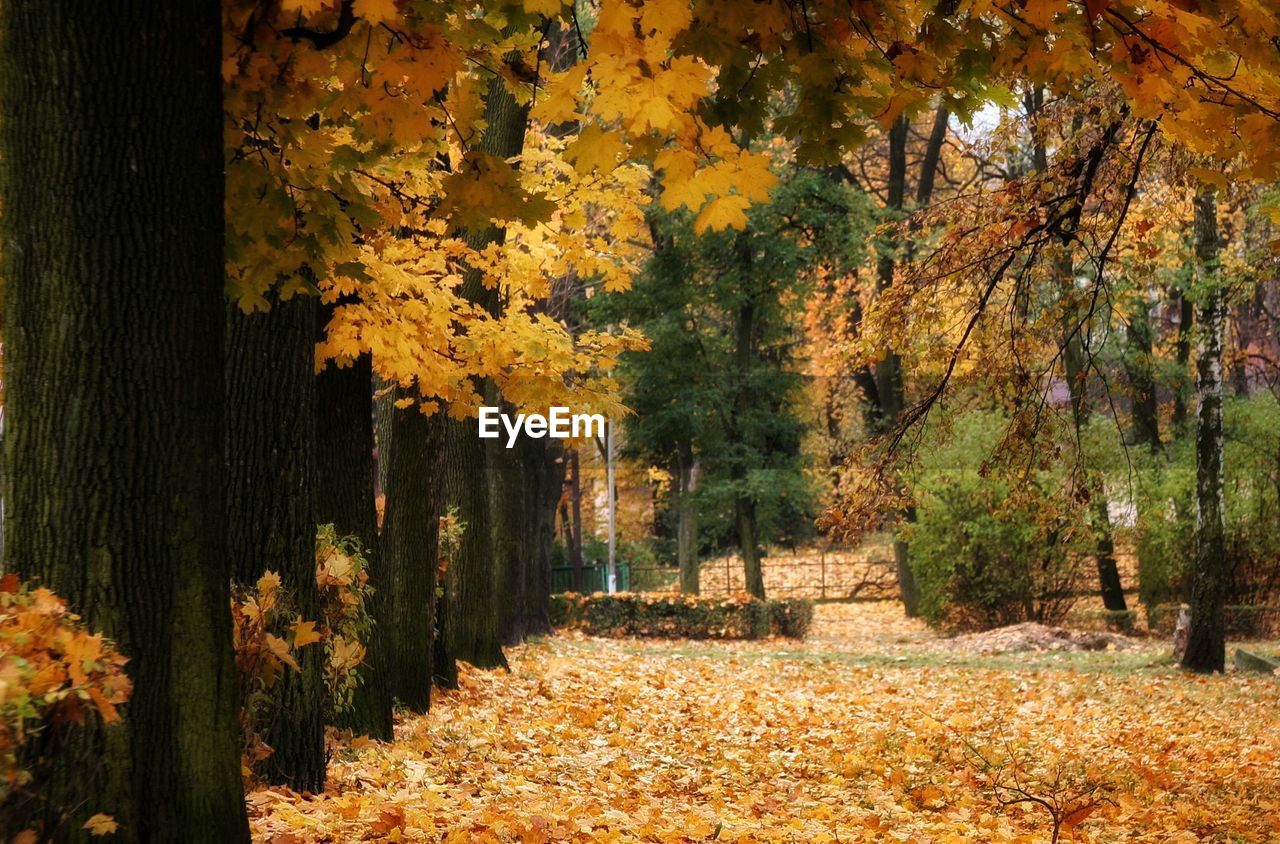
114	312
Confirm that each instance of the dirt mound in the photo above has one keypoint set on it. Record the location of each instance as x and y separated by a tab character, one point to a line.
1030	636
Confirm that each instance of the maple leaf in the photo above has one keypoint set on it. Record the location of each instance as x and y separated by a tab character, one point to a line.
101	824
304	633
723	212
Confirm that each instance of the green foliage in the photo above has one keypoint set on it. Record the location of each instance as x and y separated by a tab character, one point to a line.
669	615
987	551
1165	490
722	383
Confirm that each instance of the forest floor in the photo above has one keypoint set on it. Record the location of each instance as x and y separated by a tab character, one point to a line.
873	729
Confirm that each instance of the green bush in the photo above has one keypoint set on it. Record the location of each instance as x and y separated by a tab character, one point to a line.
671	615
1167	510
988	552
791	617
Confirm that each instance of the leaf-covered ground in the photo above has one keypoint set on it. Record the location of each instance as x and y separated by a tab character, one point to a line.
873	730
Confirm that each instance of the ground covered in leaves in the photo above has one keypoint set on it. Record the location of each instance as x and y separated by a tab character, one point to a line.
873	730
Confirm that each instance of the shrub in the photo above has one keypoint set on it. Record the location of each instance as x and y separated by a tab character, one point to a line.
268	634
674	616
988	552
54	676
791	617
1167	510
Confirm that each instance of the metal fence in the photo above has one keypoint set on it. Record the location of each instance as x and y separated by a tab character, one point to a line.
821	575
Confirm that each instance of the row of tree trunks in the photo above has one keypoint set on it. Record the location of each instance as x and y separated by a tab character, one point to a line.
271	526
111	136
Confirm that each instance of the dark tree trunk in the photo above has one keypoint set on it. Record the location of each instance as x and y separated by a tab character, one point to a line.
472	632
575	521
545	473
113	284
1142	383
271	405
345	478
1182	354
410	542
888	371
745	512
1206	643
509	486
688	472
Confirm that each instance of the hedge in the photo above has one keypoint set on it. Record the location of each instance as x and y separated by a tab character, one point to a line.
674	616
1242	621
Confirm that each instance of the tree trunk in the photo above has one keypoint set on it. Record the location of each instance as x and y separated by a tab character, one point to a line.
1142	382
1206	643
472	618
271	405
345	477
509	488
888	371
751	567
689	472
1182	354
545	473
113	284
575	521
472	632
410	542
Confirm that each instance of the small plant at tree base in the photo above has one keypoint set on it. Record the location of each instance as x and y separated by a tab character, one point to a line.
268	633
55	677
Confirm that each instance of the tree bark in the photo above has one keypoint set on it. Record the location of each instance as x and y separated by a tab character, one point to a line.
111	136
745	512
575	521
689	472
410	541
271	406
888	371
1206	643
472	590
345	477
1142	382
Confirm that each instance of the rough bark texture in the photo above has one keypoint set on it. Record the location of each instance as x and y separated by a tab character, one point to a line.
345	475
410	543
1206	644
113	275
574	524
1182	354
470	479
271	405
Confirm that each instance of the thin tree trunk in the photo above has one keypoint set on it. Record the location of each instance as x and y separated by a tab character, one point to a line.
751	564
888	371
410	542
687	527
345	475
1142	382
1206	644
575	521
1182	354
111	146
271	406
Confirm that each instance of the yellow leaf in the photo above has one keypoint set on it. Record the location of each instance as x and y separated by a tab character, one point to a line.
723	213
304	633
268	583
101	824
